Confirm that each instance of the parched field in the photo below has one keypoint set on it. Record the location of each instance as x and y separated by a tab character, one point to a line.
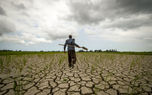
93	74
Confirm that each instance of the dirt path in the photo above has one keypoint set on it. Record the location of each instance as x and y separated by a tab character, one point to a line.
83	79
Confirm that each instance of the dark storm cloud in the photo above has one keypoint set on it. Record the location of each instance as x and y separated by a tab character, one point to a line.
6	27
85	12
93	13
132	23
136	6
2	12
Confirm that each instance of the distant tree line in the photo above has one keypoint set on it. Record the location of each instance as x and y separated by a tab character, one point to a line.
28	51
108	50
6	50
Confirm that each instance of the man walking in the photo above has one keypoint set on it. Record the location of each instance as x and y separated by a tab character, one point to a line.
71	50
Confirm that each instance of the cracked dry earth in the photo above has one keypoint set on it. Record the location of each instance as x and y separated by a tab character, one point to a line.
93	74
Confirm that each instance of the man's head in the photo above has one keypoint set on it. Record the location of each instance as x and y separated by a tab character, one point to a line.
70	36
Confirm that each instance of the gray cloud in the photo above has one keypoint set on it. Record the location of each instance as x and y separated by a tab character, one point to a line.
40	20
43	21
58	34
2	11
19	6
85	13
95	12
136	6
56	37
6	27
131	23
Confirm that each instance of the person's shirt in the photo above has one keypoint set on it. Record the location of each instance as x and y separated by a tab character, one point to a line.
71	44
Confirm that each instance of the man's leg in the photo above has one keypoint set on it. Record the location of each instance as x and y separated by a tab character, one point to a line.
69	58
74	57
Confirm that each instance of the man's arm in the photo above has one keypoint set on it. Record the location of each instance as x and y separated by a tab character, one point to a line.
76	45
65	45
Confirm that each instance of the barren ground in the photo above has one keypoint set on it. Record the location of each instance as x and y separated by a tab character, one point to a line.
93	74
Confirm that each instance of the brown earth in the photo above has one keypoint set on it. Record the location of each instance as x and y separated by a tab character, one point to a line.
93	74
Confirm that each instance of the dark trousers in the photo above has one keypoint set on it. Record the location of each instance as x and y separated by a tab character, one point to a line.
71	57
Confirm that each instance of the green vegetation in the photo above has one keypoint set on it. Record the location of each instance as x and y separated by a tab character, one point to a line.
2	53
17	61
128	53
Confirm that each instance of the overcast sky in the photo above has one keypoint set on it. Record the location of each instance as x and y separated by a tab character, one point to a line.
125	25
